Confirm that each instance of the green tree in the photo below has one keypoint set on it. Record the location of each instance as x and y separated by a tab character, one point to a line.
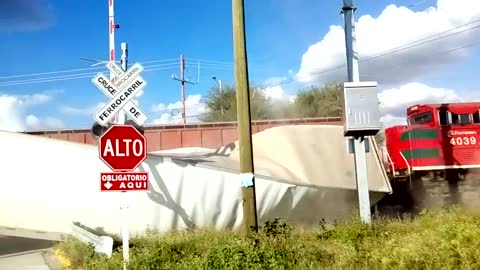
320	101
222	105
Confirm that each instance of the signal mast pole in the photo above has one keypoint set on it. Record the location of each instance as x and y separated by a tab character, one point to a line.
111	40
359	142
120	118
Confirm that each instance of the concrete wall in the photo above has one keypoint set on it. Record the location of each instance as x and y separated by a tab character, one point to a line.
208	135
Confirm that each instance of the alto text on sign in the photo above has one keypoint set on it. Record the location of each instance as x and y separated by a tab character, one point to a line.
114	148
122	148
124	181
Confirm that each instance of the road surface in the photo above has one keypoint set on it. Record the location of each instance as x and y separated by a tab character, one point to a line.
25	253
12	245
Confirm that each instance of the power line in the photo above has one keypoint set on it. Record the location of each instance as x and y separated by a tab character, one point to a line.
463	47
222	65
52	72
158	61
179	108
89	75
416	43
73	77
84	75
209	61
67	76
73	70
79	74
417	3
210	67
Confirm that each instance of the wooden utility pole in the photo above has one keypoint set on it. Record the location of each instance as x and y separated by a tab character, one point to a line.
243	118
182	80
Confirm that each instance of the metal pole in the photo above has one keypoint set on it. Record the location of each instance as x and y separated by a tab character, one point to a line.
111	41
124	208
182	74
244	119
122	116
359	143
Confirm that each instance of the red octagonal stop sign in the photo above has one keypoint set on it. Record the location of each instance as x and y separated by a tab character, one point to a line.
122	147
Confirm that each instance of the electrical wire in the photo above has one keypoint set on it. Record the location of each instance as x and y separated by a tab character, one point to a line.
78	69
209	61
73	77
179	108
419	42
220	65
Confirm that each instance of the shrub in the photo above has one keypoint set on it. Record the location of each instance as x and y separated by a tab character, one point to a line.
443	239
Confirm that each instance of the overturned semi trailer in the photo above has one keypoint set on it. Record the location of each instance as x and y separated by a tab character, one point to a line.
303	174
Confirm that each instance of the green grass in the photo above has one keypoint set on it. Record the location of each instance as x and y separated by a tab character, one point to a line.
442	239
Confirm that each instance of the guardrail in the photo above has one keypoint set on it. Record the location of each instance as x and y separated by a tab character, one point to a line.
102	244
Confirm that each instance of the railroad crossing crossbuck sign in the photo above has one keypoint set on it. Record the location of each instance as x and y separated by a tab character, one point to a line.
126	86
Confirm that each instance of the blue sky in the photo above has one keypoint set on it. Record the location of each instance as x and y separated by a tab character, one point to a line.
60	32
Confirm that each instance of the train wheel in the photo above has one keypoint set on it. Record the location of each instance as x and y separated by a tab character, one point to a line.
453	177
415	198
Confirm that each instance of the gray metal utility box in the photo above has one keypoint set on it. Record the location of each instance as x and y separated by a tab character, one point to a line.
361	112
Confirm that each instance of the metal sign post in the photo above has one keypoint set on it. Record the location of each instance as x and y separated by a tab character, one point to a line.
122	147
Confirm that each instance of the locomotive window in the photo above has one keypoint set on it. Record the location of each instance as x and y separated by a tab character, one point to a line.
460	118
455	119
476	117
422	118
465	118
443	116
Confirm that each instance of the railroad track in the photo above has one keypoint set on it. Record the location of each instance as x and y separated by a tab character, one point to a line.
431	191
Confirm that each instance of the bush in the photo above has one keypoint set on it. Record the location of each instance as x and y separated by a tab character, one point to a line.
446	239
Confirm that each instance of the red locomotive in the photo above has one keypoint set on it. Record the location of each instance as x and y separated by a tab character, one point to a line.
439	140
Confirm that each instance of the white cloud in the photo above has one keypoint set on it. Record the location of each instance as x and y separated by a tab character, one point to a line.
395	101
36	123
389	120
82	111
35	99
393	28
172	113
14	114
276	92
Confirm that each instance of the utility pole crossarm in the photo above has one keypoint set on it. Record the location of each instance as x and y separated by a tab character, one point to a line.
180	80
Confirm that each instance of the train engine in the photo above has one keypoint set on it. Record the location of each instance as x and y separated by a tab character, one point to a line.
440	143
